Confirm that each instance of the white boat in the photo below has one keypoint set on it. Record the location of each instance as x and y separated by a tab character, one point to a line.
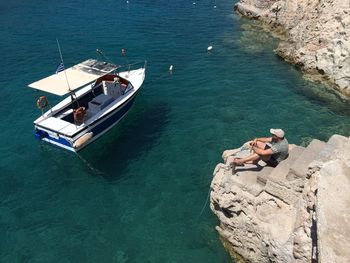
100	95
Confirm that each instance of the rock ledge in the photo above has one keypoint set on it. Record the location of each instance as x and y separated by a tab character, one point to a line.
296	212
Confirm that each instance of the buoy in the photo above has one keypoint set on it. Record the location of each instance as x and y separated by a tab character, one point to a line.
214	6
171	68
83	139
194	3
210	48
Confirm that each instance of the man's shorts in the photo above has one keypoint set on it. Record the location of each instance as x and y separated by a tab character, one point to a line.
272	161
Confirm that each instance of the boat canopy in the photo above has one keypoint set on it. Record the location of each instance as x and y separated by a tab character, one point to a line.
78	76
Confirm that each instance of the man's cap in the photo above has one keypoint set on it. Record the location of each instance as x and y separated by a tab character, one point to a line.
278	132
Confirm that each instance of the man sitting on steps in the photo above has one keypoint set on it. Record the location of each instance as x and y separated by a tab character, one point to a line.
271	150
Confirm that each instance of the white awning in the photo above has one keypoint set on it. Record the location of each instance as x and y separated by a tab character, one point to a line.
78	76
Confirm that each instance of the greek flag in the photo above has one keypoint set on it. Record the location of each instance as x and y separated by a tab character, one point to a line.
60	67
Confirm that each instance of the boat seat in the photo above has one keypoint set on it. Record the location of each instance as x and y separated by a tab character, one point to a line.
112	88
64	114
99	103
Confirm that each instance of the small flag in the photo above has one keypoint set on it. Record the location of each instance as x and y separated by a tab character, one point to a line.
123	52
60	67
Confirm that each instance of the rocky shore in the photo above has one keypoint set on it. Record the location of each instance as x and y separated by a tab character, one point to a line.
315	35
296	212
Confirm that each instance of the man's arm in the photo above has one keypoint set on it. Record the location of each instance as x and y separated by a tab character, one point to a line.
264	139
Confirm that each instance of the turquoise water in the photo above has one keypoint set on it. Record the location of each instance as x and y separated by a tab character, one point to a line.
139	193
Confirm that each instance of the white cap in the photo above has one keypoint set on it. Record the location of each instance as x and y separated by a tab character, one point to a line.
278	132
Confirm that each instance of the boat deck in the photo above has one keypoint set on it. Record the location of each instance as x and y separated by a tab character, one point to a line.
95	101
60	126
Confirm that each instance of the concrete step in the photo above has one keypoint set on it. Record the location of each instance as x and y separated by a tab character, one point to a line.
281	171
334	144
300	166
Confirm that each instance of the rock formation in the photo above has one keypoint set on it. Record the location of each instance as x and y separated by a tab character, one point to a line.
296	212
315	35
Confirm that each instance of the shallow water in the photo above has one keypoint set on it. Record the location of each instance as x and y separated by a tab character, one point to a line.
139	194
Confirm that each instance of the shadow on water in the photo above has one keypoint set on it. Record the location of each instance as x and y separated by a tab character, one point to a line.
110	155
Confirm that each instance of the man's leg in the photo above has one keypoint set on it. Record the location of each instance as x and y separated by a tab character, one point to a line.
254	158
261	145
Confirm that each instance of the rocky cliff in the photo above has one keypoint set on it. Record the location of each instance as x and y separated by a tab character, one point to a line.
296	212
315	35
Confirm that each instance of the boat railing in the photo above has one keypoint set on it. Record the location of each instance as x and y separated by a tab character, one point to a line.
132	66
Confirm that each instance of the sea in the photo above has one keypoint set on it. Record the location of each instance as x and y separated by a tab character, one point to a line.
141	192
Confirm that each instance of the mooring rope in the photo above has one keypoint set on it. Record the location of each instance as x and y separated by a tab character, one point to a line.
89	165
205	204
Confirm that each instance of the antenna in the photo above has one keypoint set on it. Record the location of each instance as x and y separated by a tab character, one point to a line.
65	74
98	51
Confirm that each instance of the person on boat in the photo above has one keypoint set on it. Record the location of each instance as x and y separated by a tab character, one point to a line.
271	150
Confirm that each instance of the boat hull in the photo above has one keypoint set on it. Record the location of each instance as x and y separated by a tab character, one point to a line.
95	130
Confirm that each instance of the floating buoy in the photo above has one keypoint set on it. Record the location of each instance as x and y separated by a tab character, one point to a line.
171	68
194	3
83	139
210	48
214	6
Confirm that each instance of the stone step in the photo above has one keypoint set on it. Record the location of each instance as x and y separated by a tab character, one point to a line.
246	178
281	171
264	174
300	166
247	174
333	145
282	192
287	180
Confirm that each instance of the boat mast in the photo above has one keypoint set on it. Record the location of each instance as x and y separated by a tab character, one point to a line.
65	74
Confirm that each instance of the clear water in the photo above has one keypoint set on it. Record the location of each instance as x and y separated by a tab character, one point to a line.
139	193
